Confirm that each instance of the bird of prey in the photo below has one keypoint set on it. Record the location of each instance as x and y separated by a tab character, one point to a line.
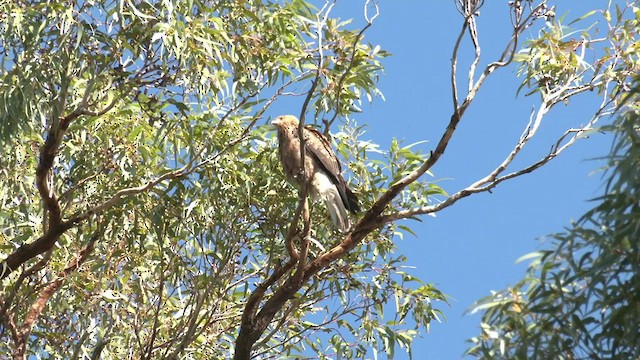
322	171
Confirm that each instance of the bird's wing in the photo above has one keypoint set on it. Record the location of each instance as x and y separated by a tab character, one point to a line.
320	148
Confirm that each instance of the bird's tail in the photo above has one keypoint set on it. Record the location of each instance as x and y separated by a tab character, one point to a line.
336	208
337	197
350	200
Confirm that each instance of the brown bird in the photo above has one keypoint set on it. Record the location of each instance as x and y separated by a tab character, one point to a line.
322	168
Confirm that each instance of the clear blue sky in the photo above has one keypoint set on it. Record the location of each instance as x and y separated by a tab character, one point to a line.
470	248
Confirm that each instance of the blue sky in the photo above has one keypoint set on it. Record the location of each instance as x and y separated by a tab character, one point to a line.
469	249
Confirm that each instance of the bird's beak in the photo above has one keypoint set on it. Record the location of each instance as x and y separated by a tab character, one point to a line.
277	121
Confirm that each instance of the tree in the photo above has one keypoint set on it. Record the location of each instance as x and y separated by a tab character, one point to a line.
579	299
144	213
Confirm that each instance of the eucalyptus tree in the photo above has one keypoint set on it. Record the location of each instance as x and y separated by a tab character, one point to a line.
144	213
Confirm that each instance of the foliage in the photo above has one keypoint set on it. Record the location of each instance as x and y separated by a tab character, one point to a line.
159	201
558	60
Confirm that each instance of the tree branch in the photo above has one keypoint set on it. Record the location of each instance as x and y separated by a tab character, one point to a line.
8	300
38	306
253	325
57	227
54	226
493	179
454	64
248	334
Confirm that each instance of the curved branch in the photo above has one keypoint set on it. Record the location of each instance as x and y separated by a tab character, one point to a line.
44	179
454	65
38	306
493	179
27	252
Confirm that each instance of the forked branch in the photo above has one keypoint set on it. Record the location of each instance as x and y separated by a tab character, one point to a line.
490	181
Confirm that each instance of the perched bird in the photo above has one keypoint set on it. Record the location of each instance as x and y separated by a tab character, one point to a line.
322	169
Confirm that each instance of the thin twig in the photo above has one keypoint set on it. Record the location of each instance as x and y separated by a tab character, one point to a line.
328	124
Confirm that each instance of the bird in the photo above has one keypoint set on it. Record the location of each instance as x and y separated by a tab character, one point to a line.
322	170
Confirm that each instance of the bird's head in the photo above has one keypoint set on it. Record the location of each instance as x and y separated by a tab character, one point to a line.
285	121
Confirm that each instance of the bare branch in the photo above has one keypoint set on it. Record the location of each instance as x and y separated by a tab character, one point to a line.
471	11
493	179
454	65
528	133
508	53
